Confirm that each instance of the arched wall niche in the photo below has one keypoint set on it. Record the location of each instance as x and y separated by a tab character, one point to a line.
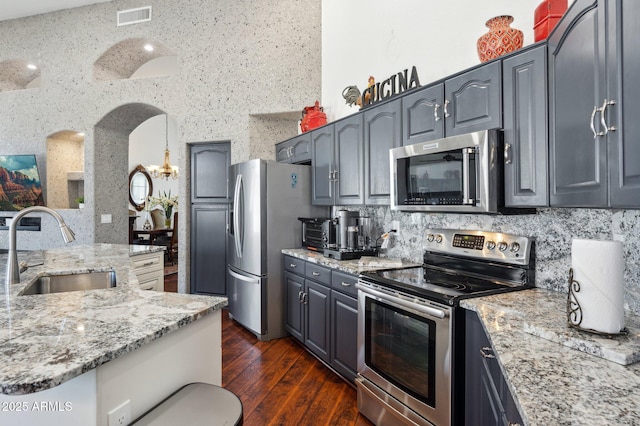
18	74
111	169
131	58
65	169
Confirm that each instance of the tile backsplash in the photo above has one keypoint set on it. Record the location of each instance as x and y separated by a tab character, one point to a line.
553	230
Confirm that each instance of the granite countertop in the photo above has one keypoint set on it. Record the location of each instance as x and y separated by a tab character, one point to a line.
354	267
559	375
46	340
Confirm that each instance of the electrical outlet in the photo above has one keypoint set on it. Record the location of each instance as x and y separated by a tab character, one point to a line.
121	415
105	218
395	225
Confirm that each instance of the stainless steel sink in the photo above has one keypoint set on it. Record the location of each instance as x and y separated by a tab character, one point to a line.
71	282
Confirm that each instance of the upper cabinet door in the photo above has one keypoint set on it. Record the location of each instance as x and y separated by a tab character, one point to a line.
525	129
210	172
349	160
422	115
578	151
323	168
296	150
473	100
624	164
382	131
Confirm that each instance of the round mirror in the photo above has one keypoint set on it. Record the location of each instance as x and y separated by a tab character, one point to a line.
140	187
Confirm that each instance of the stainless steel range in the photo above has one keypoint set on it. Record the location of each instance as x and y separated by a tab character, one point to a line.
410	333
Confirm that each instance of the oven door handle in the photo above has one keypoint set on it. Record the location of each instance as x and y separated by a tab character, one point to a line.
428	310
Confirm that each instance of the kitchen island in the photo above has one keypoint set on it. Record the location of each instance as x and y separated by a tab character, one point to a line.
559	375
70	358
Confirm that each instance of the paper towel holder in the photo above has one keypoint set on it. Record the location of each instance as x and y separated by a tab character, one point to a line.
574	311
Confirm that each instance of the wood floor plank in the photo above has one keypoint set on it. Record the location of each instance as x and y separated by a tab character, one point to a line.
280	383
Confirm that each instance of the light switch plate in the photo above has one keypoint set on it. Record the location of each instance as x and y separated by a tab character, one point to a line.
105	218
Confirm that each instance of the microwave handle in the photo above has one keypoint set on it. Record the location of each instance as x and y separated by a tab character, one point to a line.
465	176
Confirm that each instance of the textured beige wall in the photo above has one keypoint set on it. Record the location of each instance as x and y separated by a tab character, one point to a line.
235	59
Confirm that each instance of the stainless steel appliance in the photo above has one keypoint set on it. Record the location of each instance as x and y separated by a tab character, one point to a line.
411	329
352	239
268	198
312	229
456	174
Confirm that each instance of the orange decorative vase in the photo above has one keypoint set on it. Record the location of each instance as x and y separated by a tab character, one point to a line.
500	38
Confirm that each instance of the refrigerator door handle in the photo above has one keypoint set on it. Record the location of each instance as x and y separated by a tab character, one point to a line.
243	277
236	216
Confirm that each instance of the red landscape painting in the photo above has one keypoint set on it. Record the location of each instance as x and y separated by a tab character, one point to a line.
20	185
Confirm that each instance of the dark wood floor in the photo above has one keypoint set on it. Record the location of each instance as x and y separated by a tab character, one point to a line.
280	383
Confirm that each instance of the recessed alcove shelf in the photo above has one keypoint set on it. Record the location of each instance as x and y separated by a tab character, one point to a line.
135	58
18	74
65	162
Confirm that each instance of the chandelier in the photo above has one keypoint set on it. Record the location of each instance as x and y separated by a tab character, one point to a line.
166	170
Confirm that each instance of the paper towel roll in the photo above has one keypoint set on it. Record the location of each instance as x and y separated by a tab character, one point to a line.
599	268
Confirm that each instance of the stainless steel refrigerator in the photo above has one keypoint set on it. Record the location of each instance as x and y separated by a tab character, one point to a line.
268	198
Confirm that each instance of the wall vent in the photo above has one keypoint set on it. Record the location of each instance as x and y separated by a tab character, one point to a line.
134	16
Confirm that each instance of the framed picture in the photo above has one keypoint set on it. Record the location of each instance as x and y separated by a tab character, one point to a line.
20	185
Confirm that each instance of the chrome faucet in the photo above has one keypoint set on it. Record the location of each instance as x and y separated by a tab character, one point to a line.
13	269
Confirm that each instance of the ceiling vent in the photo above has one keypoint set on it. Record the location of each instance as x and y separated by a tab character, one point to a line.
134	16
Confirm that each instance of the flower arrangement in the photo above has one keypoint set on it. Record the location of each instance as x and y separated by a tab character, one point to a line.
166	201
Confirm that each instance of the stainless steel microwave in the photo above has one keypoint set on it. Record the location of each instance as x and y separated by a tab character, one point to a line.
460	174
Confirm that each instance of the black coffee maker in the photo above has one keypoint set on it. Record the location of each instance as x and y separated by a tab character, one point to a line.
347	236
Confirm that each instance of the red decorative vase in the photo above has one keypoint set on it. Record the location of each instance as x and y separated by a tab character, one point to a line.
500	38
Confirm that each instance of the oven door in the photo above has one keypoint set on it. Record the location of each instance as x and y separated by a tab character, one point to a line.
404	352
457	174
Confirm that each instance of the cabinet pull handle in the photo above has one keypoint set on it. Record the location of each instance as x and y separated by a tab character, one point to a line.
315	274
593	126
484	352
292	265
603	120
290	151
507	153
335	175
345	284
300	296
148	263
436	107
446	109
304	298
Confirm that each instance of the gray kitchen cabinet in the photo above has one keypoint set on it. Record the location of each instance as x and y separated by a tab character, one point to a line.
208	248
323	167
422	118
465	103
337	163
349	160
488	399
296	150
593	65
307	305
293	316
209	217
209	172
524	78
344	324
382	131
473	100
317	319
321	311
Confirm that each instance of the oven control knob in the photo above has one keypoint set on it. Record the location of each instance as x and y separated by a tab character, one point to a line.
502	246
515	247
491	245
430	237
438	238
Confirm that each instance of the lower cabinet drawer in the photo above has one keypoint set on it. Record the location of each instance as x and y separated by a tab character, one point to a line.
345	283
151	281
